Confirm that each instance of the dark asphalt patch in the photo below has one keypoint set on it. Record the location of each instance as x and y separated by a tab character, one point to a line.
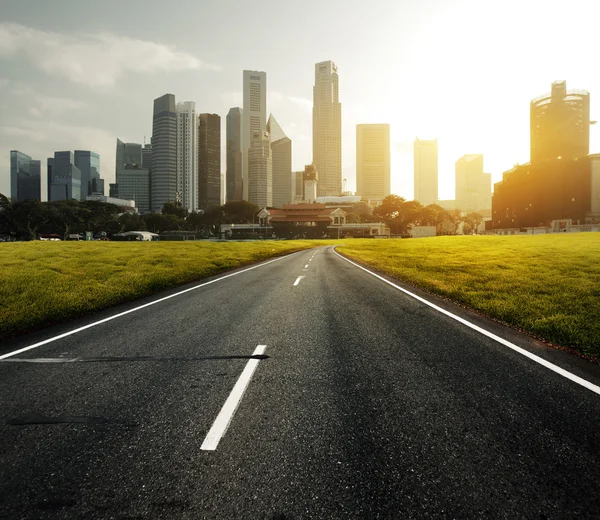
30	419
112	359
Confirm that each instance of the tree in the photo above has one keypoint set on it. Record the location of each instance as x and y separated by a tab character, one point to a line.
352	218
239	212
362	208
174	208
27	217
389	212
67	215
473	220
131	222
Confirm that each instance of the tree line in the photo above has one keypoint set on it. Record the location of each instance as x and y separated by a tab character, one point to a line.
26	220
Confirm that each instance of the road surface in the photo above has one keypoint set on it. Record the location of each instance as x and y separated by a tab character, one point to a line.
305	387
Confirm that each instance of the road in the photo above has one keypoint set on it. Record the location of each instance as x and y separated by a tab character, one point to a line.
366	403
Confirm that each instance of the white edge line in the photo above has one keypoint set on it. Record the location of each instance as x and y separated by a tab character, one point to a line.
219	427
522	351
298	280
90	325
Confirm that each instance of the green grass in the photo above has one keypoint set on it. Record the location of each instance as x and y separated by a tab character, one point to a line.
42	283
548	285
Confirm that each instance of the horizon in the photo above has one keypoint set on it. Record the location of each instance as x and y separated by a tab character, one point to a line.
67	89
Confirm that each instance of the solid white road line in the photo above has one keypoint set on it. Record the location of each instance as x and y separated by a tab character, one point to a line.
522	351
298	280
75	331
306	266
219	427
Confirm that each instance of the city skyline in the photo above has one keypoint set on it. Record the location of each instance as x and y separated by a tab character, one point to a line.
412	96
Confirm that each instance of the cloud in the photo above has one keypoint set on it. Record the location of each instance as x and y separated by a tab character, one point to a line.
55	105
95	59
3	82
35	112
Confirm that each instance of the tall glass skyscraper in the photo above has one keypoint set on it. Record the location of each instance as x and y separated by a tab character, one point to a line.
209	161
88	164
327	129
233	178
25	178
254	116
164	152
64	177
281	152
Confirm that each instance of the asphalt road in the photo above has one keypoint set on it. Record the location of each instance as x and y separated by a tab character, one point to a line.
366	404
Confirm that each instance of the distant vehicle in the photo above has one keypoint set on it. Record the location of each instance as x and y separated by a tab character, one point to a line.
50	236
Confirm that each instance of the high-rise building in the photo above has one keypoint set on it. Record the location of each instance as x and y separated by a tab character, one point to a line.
164	152
25	177
372	162
233	180
426	171
147	156
134	184
560	124
327	129
64	178
88	164
187	155
281	153
473	187
254	116
129	155
209	161
260	170
298	186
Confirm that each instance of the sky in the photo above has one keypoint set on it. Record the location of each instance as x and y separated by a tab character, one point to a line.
77	74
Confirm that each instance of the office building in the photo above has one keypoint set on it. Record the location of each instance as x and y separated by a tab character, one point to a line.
298	186
164	152
536	194
147	156
128	155
560	124
187	155
64	178
88	163
327	129
426	171
281	153
233	179
25	177
254	117
209	161
473	190
260	170
134	184
372	162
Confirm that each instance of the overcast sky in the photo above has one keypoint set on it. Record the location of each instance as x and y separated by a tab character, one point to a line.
77	74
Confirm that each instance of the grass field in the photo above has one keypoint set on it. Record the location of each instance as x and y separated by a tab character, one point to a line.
548	285
47	282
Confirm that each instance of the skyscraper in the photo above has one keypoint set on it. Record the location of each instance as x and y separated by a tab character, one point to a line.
25	177
372	161
254	115
164	152
187	155
233	178
64	178
560	124
128	155
327	129
147	156
260	170
473	187
298	186
209	161
88	164
281	153
426	171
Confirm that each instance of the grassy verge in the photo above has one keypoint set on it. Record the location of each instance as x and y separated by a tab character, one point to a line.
548	285
47	282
